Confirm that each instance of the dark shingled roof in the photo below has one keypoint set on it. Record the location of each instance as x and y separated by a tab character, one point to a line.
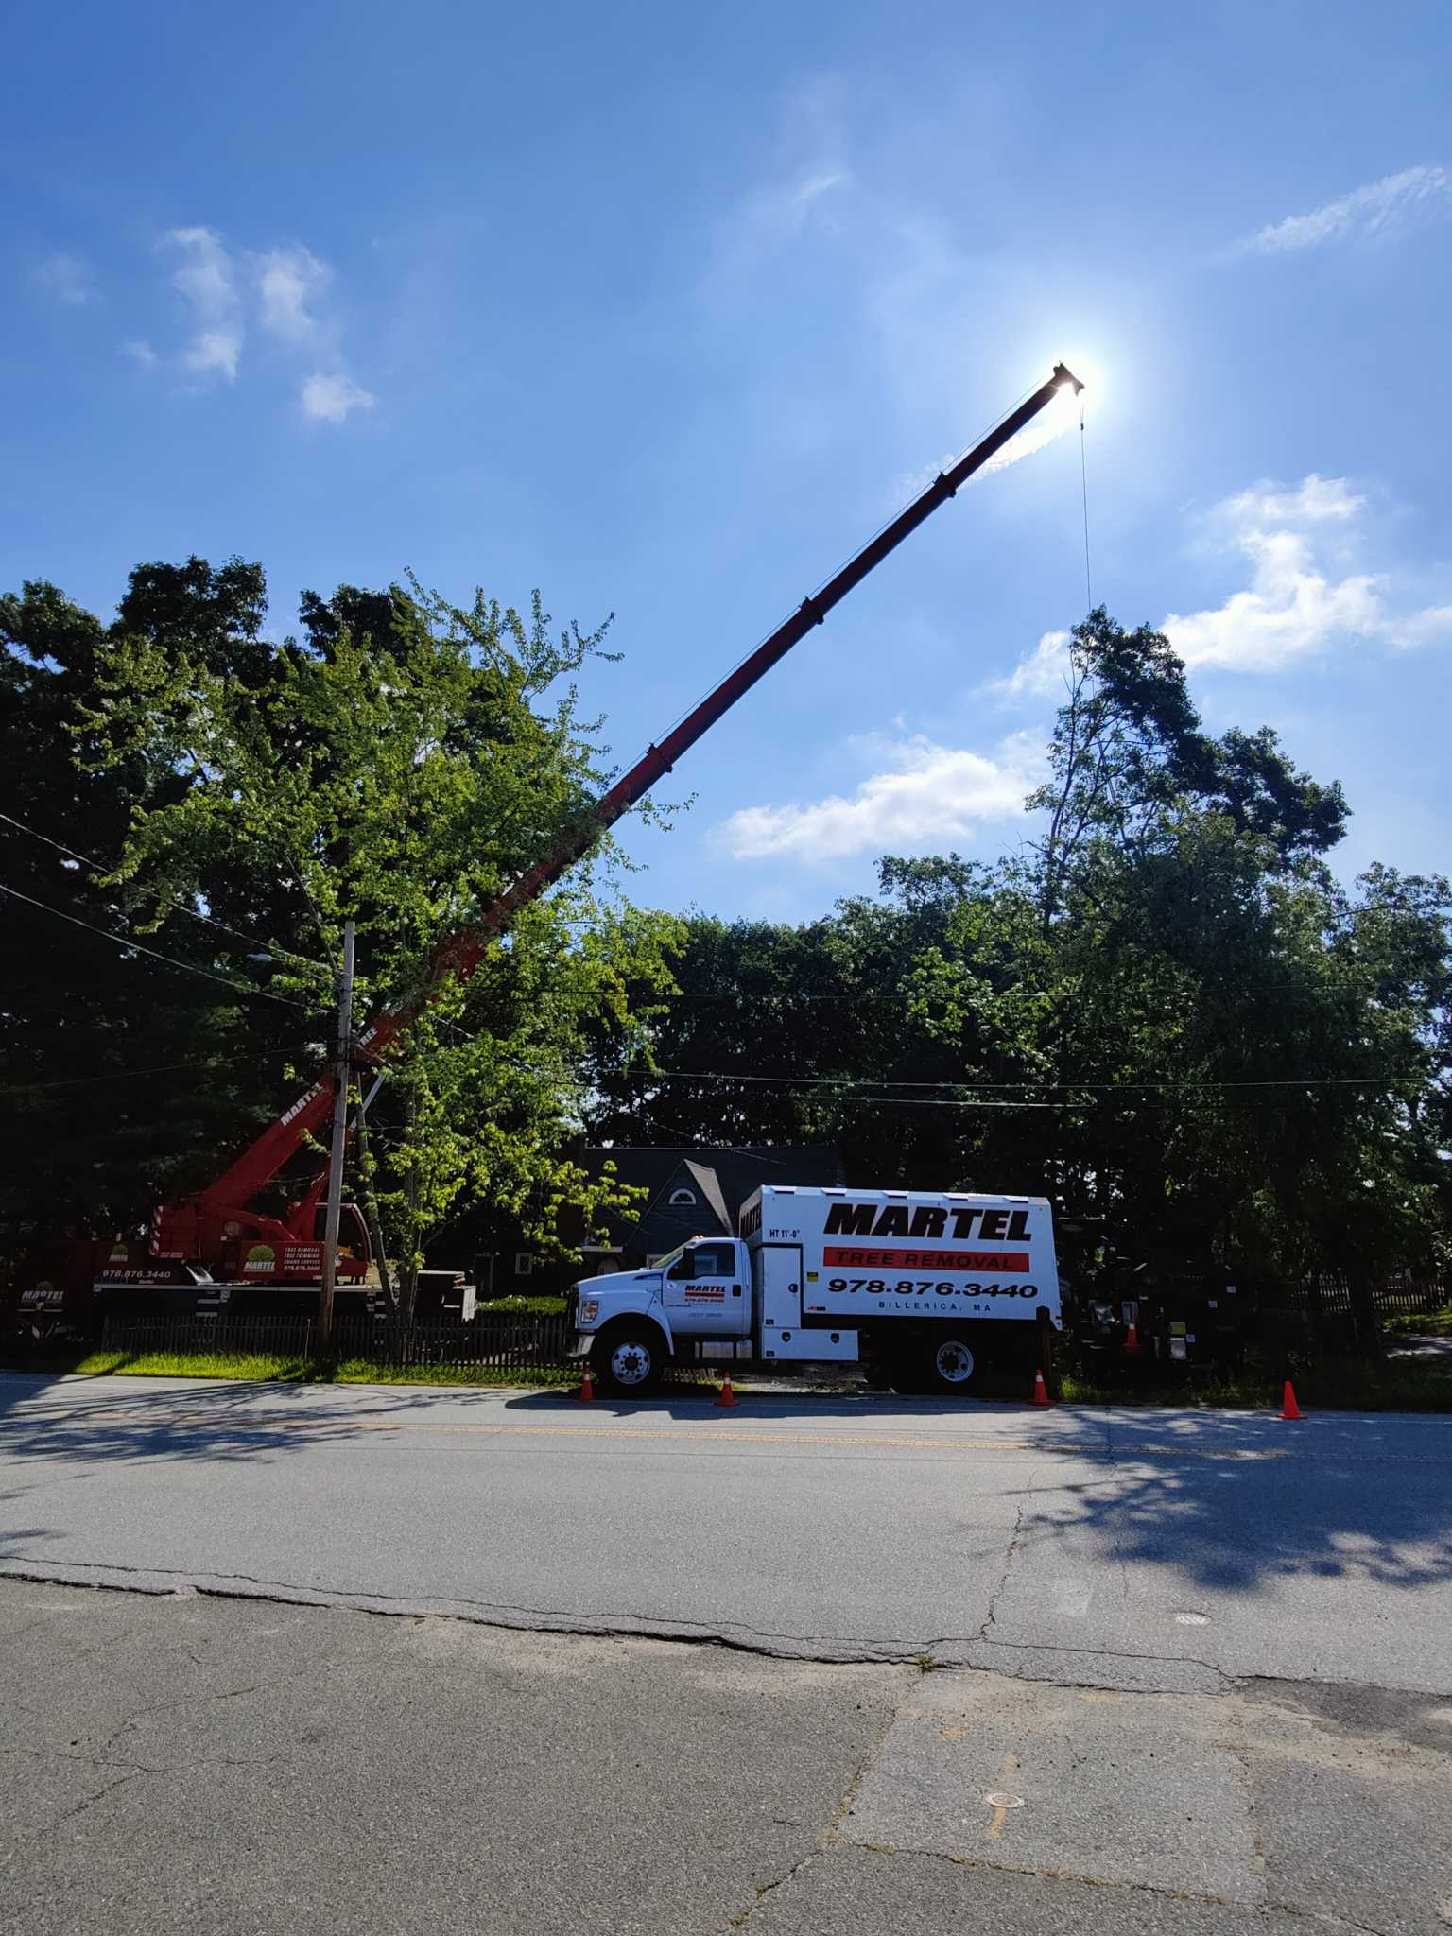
718	1179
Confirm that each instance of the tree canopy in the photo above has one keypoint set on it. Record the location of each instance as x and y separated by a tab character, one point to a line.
236	800
1166	1010
1169	1012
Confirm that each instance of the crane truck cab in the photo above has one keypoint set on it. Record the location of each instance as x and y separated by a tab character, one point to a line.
923	1287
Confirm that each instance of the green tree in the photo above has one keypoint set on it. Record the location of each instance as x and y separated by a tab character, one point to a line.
1168	1013
102	1043
1128	757
398	763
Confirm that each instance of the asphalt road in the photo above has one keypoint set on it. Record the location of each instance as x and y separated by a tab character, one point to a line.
1080	1671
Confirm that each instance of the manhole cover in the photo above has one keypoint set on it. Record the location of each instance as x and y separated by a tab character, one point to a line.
1192	1619
998	1799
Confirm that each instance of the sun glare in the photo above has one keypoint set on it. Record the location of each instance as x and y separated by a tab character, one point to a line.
1090	373
1058	416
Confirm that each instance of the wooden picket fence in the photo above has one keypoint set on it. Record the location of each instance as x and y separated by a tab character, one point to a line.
524	1342
1329	1295
491	1342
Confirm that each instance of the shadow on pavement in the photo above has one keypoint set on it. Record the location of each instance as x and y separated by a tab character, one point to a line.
1238	1502
1234	1501
44	1418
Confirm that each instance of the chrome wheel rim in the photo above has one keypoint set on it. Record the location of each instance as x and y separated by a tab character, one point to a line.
954	1362
630	1363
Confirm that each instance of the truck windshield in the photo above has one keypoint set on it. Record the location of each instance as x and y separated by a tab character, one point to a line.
670	1260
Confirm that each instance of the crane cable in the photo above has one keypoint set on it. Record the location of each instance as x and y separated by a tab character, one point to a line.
1084	494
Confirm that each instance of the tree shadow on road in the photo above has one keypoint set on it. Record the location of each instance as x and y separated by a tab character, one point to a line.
1232	1501
43	1419
1236	1502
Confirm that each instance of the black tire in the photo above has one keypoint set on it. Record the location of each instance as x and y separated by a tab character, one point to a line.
909	1376
950	1364
629	1360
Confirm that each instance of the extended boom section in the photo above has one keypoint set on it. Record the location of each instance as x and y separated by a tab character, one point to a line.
215	1227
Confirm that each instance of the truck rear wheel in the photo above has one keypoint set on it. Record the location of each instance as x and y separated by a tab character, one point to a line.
629	1360
950	1364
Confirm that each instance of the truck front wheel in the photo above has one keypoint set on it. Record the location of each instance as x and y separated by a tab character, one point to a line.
950	1365
629	1360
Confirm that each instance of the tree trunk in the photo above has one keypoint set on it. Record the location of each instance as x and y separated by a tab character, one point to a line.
1365	1324
409	1265
370	1211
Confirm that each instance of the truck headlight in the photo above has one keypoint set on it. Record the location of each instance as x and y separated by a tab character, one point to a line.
589	1310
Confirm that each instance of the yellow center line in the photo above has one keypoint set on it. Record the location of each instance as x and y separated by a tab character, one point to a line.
719	1432
724	1433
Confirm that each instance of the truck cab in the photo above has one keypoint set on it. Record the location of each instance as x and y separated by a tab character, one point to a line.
695	1302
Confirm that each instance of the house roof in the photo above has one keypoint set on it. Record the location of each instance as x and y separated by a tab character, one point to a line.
710	1184
723	1178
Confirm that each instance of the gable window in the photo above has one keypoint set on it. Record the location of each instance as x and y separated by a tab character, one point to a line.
682	1196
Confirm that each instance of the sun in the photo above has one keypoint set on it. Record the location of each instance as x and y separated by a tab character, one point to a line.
1090	372
1057	418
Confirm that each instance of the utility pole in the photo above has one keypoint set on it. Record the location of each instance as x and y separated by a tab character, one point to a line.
340	1138
370	1196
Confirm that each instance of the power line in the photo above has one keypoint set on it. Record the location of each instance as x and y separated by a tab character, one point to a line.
855	1082
122	1075
125	941
73	853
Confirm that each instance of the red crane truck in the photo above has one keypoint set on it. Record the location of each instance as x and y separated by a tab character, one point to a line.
215	1248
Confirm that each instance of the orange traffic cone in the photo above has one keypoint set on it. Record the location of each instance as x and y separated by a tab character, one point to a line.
1289	1407
1041	1390
727	1397
1132	1346
586	1393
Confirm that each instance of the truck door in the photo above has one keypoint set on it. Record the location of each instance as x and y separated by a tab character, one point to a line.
706	1290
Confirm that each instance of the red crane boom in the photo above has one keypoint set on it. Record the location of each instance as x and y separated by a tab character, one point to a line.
202	1228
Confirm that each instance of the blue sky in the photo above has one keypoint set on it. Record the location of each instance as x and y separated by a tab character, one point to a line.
665	309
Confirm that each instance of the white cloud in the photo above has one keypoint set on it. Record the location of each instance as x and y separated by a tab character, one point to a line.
1302	598
799	195
280	289
1290	612
927	794
330	397
775	216
1315	500
207	282
289	281
1043	674
65	278
1430	626
1380	208
1307	591
808	177
214	352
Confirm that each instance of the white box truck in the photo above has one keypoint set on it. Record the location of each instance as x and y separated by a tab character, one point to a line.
921	1287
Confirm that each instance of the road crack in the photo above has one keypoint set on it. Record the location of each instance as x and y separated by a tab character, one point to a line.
1322	1918
1008	1558
831	1836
